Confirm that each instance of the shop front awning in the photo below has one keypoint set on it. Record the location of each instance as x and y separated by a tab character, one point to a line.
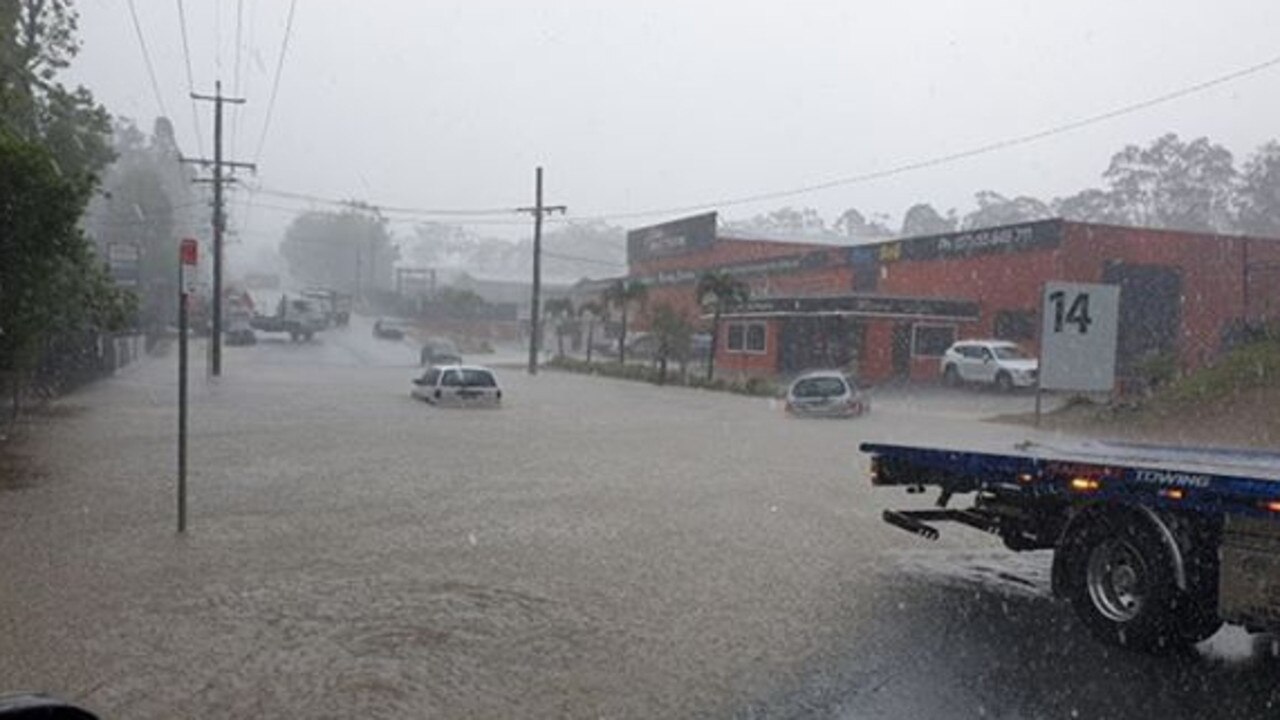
863	305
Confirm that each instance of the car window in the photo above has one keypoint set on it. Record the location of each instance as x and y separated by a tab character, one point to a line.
478	378
451	379
819	387
1010	353
432	377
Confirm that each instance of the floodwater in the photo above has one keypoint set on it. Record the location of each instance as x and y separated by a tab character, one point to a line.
595	548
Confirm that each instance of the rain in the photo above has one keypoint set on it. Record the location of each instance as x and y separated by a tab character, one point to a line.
646	360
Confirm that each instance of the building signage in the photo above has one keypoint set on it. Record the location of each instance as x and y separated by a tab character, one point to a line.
989	241
807	261
673	238
124	259
869	305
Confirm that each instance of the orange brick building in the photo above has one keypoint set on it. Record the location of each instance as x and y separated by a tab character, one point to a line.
890	308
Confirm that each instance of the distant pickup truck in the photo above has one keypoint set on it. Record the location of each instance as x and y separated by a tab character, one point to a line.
296	316
1154	547
334	306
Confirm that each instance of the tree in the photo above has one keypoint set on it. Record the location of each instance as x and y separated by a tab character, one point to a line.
1175	185
622	295
721	291
995	209
674	335
785	221
922	219
852	224
1091	205
50	280
593	311
1258	201
37	41
350	249
559	311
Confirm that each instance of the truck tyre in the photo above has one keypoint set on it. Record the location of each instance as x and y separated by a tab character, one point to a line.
1119	575
951	376
1004	381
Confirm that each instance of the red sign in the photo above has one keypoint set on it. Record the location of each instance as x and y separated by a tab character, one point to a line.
190	250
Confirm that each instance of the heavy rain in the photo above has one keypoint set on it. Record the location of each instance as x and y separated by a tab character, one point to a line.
638	360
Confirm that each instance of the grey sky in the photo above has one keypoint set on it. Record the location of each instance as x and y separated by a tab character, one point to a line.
633	106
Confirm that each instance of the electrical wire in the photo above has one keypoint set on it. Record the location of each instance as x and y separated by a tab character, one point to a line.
191	83
275	84
235	83
1005	144
288	195
146	57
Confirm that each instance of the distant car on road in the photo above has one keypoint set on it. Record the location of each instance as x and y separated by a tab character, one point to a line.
439	351
989	362
385	330
827	393
459	385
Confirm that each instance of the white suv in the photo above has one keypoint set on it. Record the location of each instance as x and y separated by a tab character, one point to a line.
989	362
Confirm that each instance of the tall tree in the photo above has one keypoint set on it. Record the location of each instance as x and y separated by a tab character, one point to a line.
50	280
1175	185
923	219
720	291
853	224
559	310
1091	205
593	312
37	41
623	294
674	335
349	249
1258	201
995	209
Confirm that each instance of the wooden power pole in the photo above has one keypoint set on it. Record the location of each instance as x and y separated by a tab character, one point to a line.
538	210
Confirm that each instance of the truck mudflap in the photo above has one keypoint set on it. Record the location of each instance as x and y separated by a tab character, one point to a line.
1249	581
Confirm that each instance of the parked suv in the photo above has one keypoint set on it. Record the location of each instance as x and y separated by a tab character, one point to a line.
989	362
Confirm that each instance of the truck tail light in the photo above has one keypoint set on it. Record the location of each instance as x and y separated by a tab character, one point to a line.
1270	505
1085	484
1173	493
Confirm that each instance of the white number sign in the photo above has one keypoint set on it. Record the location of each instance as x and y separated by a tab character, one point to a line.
1078	336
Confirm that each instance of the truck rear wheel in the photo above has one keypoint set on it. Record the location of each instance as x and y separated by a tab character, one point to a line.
1118	572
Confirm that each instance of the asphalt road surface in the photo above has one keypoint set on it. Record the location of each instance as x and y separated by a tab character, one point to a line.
595	548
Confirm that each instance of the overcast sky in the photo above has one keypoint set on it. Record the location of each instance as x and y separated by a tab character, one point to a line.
643	105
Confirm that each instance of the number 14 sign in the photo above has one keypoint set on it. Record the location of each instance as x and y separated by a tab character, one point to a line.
1078	336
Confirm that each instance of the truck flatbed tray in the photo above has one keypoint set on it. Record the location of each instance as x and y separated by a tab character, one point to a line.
1224	480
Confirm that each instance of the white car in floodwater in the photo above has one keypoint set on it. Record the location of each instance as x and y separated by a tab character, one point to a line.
459	385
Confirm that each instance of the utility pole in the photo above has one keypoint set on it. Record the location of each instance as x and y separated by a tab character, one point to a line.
538	210
219	216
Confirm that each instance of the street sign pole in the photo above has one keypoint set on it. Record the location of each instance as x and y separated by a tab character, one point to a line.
189	253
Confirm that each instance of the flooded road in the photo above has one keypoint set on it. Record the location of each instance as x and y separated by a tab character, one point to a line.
595	548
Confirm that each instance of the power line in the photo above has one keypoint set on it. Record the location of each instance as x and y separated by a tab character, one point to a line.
235	82
275	84
953	157
285	194
580	259
191	83
146	57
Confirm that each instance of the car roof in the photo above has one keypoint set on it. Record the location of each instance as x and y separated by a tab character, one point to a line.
1002	343
457	366
822	374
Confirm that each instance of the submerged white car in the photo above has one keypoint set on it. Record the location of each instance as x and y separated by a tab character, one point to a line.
989	362
458	385
826	393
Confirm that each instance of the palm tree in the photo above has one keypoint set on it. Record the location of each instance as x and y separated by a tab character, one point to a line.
721	291
622	294
559	310
674	334
592	311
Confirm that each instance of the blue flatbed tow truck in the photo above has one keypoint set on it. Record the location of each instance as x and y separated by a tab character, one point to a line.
1155	547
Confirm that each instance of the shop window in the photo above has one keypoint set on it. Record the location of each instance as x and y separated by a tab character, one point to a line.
745	337
1015	325
736	337
932	340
